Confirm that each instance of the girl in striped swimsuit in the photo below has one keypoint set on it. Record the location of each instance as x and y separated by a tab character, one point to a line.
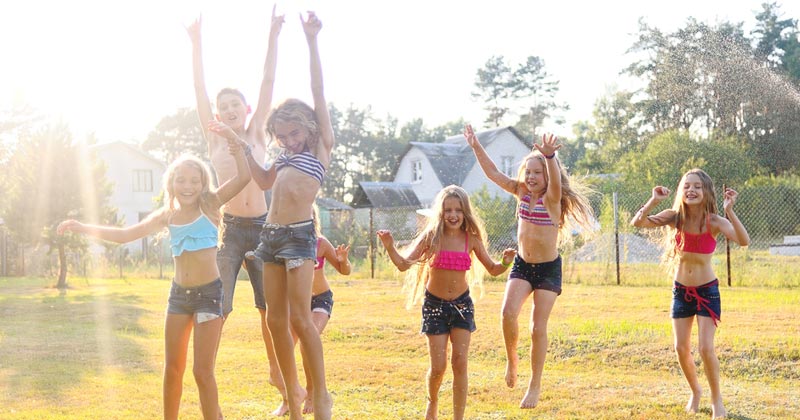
695	222
444	249
548	200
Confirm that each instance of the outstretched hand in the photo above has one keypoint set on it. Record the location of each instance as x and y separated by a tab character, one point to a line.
68	225
660	193
312	25
469	134
277	21
342	252
386	238
730	196
549	145
235	143
508	254
194	29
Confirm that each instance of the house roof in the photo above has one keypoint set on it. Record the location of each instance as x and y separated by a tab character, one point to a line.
385	195
132	147
453	158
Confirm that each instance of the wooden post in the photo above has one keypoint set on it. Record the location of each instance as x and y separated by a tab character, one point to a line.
727	242
616	235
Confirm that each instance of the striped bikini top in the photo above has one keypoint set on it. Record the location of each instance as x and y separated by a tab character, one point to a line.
304	162
698	243
453	260
537	215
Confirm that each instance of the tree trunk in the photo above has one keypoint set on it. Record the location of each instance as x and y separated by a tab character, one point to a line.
62	267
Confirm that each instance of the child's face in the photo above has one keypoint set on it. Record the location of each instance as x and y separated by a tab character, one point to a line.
534	176
231	110
187	185
452	213
692	190
291	136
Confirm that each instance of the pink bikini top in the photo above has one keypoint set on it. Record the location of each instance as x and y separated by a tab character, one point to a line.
320	260
537	215
698	243
453	260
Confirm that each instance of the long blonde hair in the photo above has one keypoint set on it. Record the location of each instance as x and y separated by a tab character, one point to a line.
576	211
298	112
430	239
209	204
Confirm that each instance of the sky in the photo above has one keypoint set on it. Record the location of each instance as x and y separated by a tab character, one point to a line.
116	68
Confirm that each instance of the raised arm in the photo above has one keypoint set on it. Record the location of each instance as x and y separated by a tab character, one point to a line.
259	119
548	149
402	263
733	228
204	111
489	168
338	257
236	146
311	27
642	218
151	224
492	267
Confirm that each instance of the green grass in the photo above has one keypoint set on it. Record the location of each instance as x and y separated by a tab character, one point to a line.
95	351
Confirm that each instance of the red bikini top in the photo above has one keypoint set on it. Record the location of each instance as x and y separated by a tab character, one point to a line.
702	243
453	260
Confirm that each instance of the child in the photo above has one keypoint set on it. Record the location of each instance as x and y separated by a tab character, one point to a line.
446	244
288	240
694	219
191	212
246	212
547	202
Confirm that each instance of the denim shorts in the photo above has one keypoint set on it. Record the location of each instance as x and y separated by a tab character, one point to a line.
546	275
241	235
323	303
701	301
290	245
440	316
204	302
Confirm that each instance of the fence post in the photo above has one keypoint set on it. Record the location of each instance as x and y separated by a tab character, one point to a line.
616	235
371	245
727	242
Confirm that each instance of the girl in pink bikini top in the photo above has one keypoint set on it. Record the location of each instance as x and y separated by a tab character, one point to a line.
453	260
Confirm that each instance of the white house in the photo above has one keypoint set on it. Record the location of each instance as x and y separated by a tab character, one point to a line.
136	182
429	167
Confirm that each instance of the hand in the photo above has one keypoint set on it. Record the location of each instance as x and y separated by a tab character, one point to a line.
660	193
508	254
730	196
342	252
386	237
194	30
311	26
469	133
549	145
222	129
276	22
69	225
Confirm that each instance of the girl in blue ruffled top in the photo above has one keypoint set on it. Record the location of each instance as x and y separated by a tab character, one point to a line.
191	213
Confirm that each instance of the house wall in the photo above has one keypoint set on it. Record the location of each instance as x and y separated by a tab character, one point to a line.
430	185
506	144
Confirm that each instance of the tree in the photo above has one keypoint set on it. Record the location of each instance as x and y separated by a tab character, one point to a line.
177	134
51	179
493	88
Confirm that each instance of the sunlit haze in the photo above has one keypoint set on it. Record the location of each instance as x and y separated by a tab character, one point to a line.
117	68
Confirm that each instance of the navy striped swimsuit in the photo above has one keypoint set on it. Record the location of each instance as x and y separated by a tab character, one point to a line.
304	162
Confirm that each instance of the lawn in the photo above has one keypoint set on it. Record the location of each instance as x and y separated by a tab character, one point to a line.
95	351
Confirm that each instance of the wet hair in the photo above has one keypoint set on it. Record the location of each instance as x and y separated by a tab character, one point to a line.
576	211
231	91
431	238
298	112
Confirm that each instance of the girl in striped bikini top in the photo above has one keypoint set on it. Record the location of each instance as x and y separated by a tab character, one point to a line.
537	215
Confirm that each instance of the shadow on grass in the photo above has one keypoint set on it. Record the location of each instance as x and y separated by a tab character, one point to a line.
55	339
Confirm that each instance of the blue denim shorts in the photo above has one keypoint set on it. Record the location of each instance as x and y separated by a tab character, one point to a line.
290	245
701	301
323	302
440	316
204	302
546	275
241	235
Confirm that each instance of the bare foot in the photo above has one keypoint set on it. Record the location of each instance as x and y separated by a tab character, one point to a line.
718	410
323	406
530	399
282	410
511	371
694	402
431	412
308	405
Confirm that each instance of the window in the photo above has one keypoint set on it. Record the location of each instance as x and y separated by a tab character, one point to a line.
507	165
142	180
416	171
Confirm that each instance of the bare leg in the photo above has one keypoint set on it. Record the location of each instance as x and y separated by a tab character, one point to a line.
706	330
437	349
206	339
320	320
682	330
460	339
275	378
276	291
543	301
517	291
177	329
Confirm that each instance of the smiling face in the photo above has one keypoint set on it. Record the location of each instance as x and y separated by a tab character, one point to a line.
452	213
187	185
291	136
232	110
533	175
692	190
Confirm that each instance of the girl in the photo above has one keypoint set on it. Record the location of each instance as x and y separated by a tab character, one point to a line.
695	292
547	202
191	213
288	240
444	249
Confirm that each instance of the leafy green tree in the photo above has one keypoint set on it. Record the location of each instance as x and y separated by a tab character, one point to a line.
177	134
493	88
50	179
